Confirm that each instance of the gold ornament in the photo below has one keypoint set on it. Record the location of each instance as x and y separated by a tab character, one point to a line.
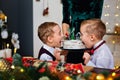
4	65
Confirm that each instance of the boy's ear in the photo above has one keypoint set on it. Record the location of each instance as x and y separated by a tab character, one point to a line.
92	37
50	39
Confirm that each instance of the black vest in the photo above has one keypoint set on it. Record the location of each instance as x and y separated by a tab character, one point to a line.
44	51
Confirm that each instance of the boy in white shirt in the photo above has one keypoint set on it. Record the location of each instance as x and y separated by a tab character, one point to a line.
92	32
50	34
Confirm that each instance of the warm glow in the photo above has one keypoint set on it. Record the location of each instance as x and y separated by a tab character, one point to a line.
108	6
21	70
100	77
113	74
116	67
117	6
116	24
106	23
1	63
115	32
116	15
5	18
67	78
109	78
7	45
108	30
13	67
107	14
78	71
113	42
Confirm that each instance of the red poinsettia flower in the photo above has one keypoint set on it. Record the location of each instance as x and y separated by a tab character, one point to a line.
41	70
10	59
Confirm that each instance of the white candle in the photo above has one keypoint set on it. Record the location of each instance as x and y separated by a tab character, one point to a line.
2	53
8	53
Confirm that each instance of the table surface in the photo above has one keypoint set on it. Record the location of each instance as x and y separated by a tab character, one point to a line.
99	70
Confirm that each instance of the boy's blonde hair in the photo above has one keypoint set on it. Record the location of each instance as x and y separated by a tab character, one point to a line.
45	30
95	26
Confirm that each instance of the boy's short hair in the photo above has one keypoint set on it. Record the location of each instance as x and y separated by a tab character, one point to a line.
45	30
95	26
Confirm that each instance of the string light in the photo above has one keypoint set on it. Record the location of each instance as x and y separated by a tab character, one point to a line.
21	70
113	74
12	67
117	6
78	71
107	23
67	78
107	14
115	14
100	77
113	42
115	32
116	24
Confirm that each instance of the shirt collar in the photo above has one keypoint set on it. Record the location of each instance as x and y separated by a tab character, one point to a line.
50	49
98	43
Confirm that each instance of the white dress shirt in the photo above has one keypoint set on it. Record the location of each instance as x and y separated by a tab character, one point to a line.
46	57
102	57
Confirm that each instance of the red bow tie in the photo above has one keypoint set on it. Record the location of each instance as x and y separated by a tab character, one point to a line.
93	49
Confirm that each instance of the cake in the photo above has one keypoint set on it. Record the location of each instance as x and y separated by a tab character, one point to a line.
73	44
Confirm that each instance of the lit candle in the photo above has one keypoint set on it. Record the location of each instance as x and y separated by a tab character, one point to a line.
7	45
8	53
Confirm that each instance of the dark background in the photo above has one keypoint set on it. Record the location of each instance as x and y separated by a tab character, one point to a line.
20	20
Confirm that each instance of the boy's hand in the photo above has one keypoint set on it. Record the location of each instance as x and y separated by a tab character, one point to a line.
65	29
57	54
86	57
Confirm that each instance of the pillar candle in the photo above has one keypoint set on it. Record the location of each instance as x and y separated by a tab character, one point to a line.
8	53
2	53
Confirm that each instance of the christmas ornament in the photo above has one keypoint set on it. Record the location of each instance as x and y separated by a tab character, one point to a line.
4	65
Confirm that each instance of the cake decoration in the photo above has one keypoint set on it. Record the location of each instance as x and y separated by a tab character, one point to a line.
73	41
